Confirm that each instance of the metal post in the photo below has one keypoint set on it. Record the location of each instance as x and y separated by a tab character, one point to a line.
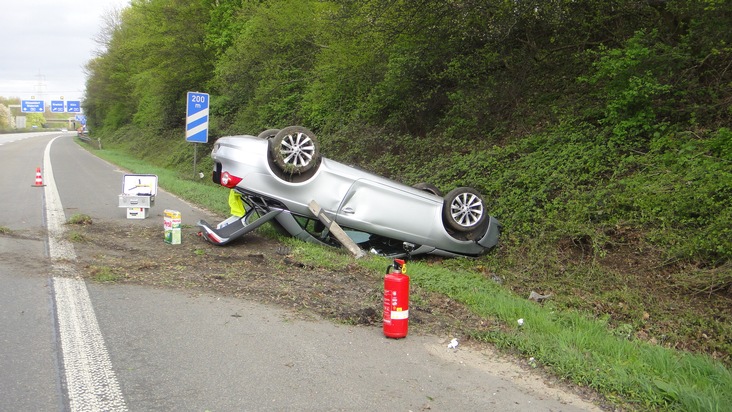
195	157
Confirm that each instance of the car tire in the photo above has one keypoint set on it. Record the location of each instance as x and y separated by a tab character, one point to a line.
464	210
268	134
295	150
429	188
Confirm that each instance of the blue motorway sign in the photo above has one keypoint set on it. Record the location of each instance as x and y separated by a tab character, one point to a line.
73	106
80	118
32	106
197	117
58	106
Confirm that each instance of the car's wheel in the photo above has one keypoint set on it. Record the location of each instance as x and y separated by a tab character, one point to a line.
268	134
429	188
464	209
295	150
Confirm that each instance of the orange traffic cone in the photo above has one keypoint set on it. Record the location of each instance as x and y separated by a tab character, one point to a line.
39	178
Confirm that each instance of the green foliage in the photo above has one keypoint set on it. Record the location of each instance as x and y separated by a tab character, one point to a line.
628	87
223	25
682	195
262	75
156	54
35	119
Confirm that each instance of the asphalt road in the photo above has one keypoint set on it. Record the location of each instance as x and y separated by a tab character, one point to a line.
71	345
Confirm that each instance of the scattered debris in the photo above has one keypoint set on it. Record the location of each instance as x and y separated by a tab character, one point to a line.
284	250
336	230
453	344
521	322
538	297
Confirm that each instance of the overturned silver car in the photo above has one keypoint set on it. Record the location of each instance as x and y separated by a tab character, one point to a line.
280	172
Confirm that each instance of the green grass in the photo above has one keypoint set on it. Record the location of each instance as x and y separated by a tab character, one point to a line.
79	219
104	274
76	237
572	344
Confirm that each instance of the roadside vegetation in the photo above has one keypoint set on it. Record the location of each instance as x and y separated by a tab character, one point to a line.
598	132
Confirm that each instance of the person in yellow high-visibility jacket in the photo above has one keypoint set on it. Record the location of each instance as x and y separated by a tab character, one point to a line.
236	204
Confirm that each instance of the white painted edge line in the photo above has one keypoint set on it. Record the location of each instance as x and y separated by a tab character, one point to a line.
90	380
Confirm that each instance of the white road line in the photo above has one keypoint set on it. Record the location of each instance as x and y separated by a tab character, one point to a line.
90	379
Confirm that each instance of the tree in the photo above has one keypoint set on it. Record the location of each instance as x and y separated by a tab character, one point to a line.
154	55
35	119
261	77
6	118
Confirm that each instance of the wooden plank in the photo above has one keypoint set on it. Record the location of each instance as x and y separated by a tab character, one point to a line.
336	230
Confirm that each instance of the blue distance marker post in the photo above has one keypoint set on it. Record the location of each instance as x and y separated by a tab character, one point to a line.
196	122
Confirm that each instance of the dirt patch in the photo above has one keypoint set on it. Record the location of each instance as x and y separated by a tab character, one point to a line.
259	268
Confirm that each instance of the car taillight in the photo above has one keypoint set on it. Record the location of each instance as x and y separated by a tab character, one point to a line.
229	180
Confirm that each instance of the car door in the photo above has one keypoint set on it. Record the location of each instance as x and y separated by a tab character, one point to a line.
395	211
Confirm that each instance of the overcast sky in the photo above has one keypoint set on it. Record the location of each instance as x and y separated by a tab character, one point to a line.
44	45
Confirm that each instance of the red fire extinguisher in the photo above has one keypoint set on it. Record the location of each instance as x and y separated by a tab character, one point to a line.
396	300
